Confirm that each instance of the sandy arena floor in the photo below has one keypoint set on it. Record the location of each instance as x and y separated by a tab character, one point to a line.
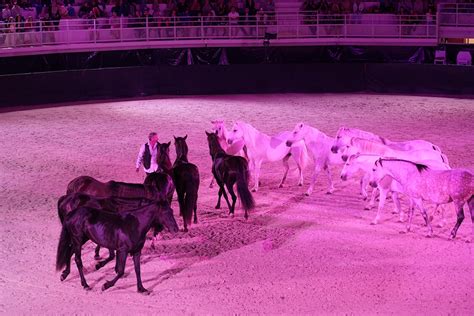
295	255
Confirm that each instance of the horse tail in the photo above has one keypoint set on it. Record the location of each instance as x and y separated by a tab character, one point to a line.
62	211
243	187
190	201
64	249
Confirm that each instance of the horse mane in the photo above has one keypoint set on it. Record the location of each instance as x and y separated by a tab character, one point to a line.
365	144
420	167
182	147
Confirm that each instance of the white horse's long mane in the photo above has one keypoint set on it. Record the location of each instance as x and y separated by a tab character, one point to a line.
355	132
419	166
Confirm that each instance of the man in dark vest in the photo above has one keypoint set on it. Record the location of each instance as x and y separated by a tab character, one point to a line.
147	155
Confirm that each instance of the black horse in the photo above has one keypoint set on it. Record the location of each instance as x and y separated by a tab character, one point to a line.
186	180
124	233
68	203
91	186
229	170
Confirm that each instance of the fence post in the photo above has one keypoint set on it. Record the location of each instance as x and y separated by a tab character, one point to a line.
345	25
146	28
94	30
297	25
202	26
41	32
174	27
317	25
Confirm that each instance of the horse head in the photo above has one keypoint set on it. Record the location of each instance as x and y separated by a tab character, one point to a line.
164	217
181	147
298	134
236	134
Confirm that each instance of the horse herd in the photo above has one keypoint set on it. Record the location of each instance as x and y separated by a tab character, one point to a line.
118	215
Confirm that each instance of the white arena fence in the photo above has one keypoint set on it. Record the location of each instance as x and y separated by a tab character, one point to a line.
300	25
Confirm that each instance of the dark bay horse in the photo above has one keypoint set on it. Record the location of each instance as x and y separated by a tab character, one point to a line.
229	170
91	186
68	203
124	233
186	180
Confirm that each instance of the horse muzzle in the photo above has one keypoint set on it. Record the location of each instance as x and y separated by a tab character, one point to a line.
343	177
373	184
289	143
230	141
344	158
334	149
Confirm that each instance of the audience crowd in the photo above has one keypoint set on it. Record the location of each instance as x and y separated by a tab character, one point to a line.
20	15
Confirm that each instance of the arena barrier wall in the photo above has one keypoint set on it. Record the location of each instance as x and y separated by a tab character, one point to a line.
132	82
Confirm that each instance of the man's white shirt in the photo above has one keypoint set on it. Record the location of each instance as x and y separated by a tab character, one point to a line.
153	163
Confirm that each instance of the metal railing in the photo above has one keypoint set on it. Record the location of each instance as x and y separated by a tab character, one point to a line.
300	25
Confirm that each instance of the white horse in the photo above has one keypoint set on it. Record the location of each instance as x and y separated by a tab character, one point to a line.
319	144
365	163
261	147
344	135
421	183
236	149
364	146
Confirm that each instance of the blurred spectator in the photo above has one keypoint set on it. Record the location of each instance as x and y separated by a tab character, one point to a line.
30	35
247	20
10	29
71	11
114	22
6	13
84	10
250	4
233	21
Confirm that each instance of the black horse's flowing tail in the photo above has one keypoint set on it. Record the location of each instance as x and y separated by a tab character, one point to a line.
64	249
190	201
243	188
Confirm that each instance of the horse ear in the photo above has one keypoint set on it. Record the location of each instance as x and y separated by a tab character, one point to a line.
168	144
208	134
186	137
215	132
174	137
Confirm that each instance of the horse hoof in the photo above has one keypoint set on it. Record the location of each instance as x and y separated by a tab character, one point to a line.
280	186
300	184
329	192
367	208
254	190
364	199
373	223
403	232
144	291
195	221
218	207
87	288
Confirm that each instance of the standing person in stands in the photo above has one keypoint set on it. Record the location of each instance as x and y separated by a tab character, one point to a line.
148	155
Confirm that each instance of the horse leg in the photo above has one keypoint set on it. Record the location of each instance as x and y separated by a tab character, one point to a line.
443	217
121	260
411	211
258	165
316	171
136	263
460	215
363	186
382	197
331	186
77	257
230	188
195	214
211	185
398	207
97	253
420	205
287	167
218	205
372	200
225	197
102	263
